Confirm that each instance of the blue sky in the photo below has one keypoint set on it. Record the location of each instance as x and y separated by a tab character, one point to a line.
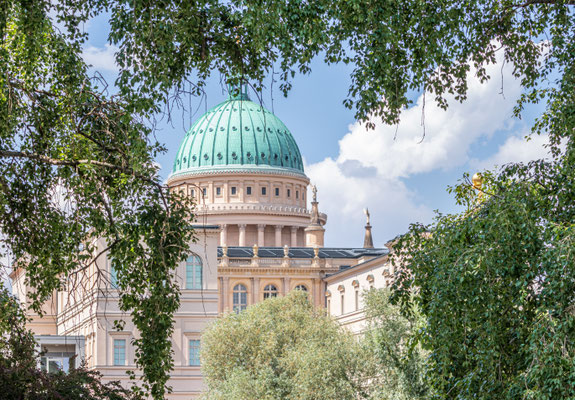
402	180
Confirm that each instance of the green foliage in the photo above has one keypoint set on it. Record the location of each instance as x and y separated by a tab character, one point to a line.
396	47
399	359
76	165
496	285
20	377
281	348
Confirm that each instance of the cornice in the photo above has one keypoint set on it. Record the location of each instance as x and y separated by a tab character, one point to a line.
239	170
268	209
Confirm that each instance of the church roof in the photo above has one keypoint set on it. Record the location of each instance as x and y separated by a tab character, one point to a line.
303	252
238	134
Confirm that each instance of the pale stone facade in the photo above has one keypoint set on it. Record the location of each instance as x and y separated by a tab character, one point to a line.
345	291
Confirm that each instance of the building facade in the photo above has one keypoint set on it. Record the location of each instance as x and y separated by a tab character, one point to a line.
257	239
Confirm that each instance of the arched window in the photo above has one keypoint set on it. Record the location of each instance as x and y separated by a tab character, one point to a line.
194	272
301	287
270	291
240	300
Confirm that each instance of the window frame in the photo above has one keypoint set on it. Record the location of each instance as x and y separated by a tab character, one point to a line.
270	290
248	190
194	358
116	358
194	278
239	292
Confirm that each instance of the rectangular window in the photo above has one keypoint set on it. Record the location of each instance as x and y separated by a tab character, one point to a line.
297	194
193	192
194	272
113	277
119	351
218	191
264	191
205	192
194	352
56	364
277	192
234	190
249	190
289	192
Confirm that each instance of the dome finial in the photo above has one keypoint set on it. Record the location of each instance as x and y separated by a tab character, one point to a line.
238	91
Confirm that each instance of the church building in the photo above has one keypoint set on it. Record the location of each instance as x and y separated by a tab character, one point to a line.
259	236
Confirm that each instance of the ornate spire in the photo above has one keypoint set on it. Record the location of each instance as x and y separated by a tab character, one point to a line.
314	218
314	232
368	239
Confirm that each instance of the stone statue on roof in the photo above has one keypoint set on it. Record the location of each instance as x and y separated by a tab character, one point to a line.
366	212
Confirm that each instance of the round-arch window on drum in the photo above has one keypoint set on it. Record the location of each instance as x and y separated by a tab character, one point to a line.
270	291
194	272
240	297
301	287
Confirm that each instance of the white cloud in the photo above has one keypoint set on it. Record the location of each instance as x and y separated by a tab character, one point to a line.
371	166
101	59
342	197
516	149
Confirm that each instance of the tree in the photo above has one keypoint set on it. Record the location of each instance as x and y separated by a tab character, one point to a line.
61	133
496	285
281	348
76	165
399	359
20	377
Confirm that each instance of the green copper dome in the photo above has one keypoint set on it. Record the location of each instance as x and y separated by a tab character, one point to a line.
238	134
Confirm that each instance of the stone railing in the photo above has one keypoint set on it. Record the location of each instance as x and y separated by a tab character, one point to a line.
243	207
284	262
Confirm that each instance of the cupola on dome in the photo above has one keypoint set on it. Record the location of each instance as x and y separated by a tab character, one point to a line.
235	135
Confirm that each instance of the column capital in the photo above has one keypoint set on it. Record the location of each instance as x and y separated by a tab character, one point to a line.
294	228
242	226
223	226
279	227
261	226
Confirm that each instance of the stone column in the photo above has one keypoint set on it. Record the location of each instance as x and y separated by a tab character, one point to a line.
255	290
261	235
294	236
224	235
242	238
279	235
226	294
286	284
